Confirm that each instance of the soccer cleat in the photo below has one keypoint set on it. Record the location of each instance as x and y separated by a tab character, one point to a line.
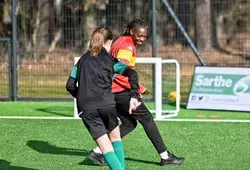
172	160
96	158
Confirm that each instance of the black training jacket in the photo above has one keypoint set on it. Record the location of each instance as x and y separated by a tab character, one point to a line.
90	81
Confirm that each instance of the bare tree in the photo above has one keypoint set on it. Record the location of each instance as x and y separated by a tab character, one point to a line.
203	24
58	33
43	16
94	16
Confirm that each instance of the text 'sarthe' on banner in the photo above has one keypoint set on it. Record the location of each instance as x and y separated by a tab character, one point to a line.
220	88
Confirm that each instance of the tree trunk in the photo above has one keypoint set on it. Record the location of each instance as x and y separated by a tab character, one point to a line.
58	33
44	15
203	24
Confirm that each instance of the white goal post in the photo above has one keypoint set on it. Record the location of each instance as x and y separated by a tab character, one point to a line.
174	112
160	113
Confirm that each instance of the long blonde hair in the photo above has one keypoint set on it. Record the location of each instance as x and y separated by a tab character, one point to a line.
98	38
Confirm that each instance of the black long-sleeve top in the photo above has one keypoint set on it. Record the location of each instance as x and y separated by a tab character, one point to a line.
90	81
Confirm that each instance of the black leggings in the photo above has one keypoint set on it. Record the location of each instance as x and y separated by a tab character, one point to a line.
143	115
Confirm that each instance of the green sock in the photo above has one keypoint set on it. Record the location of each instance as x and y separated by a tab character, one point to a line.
119	151
112	161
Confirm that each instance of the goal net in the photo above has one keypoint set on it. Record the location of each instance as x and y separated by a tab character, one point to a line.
160	77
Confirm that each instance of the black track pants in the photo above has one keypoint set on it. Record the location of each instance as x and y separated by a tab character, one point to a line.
142	114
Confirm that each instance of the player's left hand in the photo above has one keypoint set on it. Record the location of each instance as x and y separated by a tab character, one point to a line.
142	90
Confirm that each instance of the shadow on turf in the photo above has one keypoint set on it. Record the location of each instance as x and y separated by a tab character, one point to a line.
6	165
56	110
141	161
47	148
86	161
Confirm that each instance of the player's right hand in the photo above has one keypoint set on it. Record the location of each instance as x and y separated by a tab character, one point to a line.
133	104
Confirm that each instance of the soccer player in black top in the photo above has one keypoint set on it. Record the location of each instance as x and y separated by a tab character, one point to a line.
90	83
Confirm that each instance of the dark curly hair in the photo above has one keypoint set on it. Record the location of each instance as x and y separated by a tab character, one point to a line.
133	24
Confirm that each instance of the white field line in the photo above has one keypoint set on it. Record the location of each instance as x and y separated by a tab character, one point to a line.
170	120
206	120
36	117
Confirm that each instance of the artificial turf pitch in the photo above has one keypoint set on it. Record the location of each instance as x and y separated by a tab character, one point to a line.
64	144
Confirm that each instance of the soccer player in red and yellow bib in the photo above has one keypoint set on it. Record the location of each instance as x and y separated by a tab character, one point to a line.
124	50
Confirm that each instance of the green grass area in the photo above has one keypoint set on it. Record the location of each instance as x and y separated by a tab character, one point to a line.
36	109
66	109
64	144
43	91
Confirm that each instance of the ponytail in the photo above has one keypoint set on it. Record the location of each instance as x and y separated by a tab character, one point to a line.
98	38
96	43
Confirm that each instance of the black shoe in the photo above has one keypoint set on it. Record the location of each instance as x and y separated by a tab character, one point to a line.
97	158
172	160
